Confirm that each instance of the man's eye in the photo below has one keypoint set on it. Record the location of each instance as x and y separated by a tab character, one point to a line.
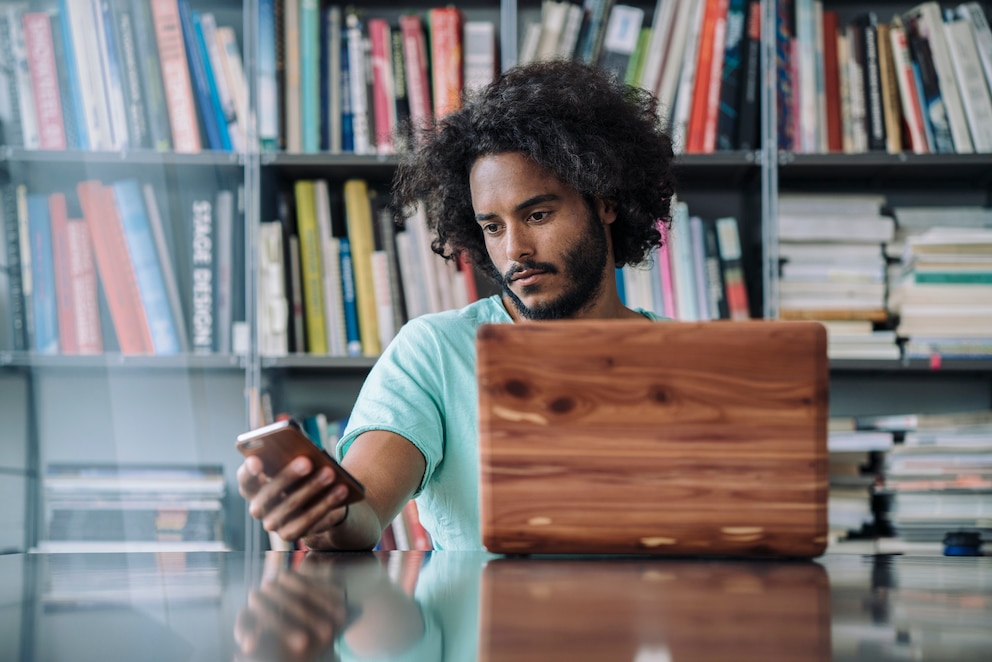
538	216
490	228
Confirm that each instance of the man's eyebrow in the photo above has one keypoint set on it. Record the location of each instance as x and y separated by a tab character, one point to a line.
529	202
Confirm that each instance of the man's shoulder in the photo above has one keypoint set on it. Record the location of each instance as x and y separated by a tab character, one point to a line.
489	310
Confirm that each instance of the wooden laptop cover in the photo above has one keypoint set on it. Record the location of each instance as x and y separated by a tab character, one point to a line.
664	438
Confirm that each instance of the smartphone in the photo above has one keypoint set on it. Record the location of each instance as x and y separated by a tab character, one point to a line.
277	444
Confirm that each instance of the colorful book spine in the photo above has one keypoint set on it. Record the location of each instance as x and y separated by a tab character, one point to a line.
446	58
728	239
204	96
417	78
176	81
144	259
44	80
383	90
352	332
311	263
67	90
43	297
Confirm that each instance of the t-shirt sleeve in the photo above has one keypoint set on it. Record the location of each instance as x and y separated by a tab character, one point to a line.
402	394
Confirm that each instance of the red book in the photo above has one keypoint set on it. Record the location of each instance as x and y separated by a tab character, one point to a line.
831	82
383	88
75	281
120	284
175	76
59	218
44	79
706	88
446	59
417	81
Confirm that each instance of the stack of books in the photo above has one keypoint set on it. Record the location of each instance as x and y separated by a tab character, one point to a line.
119	507
855	461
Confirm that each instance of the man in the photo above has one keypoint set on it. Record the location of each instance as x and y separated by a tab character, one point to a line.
548	180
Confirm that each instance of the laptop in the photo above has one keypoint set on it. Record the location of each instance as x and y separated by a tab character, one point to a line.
669	438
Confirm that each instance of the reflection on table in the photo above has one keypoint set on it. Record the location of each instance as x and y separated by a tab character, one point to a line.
466	606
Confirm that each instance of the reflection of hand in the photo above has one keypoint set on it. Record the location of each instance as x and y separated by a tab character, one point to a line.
293	614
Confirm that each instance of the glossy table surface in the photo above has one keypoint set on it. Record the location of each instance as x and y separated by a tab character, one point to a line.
464	606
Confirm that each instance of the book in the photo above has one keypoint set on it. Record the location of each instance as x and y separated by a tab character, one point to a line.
479	58
116	270
75	281
309	83
291	115
199	219
358	215
891	107
975	96
334	324
417	78
866	29
204	92
731	259
150	77
620	38
224	270
11	132
113	77
311	267
43	301
165	248
350	302
446	58
221	91
148	272
383	89
273	304
17	312
268	114
44	80
176	82
19	74
731	77
130	65
909	94
701	133
358	99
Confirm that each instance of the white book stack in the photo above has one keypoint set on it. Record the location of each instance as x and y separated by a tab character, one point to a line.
833	265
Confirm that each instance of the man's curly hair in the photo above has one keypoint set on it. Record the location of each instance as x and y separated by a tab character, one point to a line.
596	134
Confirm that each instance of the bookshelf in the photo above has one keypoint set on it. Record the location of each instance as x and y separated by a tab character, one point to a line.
188	407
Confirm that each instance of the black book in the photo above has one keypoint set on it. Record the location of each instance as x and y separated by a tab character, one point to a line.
866	51
728	111
748	134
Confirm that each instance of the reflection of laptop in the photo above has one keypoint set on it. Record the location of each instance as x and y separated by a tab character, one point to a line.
551	609
661	438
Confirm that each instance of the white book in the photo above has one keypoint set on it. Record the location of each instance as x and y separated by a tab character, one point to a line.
654	57
224	275
358	77
687	76
852	204
830	227
686	13
273	304
414	293
528	45
165	261
928	21
334	327
479	54
110	69
420	236
234	73
570	32
975	97
383	297
982	33
553	14
855	77
808	140
680	244
840	253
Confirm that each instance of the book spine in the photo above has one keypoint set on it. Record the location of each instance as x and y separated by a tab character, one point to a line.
202	94
311	254
418	83
22	77
110	66
234	71
357	87
402	136
202	250
309	31
24	247
890	91
728	111
164	252
268	86
714	16
932	103
89	333
130	64
832	81
220	85
44	80
176	81
383	91
446	59
871	81
358	212
150	77
144	259
783	73
43	296
975	96
273	304
77	25
352	332
64	301
292	111
16	308
11	131
728	240
120	283
223	270
332	54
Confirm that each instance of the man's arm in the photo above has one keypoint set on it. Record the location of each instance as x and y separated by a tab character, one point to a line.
298	503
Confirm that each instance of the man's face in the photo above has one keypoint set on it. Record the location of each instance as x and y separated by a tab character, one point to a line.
549	249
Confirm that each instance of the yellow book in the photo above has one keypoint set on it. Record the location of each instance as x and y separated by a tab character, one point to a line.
311	267
358	211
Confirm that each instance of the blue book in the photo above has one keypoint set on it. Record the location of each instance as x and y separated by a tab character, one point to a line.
74	91
268	85
310	74
216	105
352	337
198	74
148	271
347	116
114	80
43	301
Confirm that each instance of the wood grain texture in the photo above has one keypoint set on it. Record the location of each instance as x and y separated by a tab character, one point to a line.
669	438
548	610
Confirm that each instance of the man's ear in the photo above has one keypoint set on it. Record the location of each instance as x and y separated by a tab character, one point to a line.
606	209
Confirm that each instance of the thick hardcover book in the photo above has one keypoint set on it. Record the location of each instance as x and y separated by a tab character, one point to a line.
43	297
311	267
176	81
117	273
40	49
144	259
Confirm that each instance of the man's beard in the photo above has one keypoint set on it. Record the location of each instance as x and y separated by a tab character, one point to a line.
584	265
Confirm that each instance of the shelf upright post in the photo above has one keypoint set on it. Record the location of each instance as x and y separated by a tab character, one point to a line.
769	163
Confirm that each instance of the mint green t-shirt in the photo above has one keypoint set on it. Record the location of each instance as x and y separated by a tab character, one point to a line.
423	388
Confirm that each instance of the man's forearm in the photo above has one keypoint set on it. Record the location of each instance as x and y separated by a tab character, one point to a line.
360	530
